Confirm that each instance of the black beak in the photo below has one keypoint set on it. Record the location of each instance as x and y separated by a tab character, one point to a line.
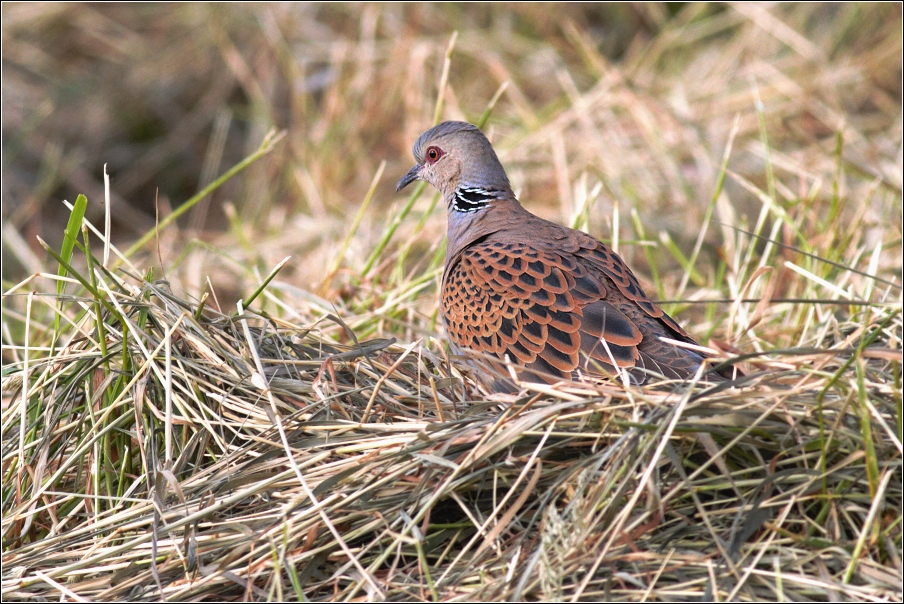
409	178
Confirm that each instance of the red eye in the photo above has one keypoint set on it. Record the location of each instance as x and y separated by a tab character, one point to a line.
433	154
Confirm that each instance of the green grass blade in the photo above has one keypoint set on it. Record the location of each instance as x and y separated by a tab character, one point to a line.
73	228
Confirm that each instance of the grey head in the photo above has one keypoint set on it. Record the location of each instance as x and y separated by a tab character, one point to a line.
457	159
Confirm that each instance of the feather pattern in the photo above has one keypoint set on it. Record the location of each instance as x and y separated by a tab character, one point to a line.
471	199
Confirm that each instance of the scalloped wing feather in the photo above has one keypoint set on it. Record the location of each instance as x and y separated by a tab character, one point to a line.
559	314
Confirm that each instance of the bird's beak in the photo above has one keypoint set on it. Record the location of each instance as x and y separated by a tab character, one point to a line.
413	174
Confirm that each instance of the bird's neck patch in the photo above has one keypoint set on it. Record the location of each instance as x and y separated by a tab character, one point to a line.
471	199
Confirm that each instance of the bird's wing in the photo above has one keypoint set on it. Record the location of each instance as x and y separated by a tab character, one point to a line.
665	358
554	313
599	257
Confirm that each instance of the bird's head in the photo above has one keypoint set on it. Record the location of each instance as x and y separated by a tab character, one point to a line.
457	159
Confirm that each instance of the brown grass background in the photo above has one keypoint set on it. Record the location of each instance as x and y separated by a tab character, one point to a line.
640	98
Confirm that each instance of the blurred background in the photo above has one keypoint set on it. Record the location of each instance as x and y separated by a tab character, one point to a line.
614	118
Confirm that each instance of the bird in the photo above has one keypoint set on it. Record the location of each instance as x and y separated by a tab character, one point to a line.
520	292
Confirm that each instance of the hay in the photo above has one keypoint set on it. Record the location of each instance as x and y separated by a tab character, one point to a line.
285	466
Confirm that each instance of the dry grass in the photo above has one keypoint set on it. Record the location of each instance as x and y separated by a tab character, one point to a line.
246	429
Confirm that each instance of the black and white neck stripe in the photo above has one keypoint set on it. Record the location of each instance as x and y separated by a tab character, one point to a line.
471	199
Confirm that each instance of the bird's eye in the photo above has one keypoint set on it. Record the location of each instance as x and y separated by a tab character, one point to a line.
433	154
